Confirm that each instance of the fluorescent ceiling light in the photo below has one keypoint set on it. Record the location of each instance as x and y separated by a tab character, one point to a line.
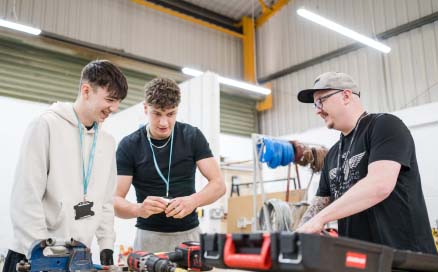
343	30
244	85
20	27
231	82
191	72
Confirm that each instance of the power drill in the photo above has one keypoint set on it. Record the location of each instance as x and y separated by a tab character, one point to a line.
143	261
186	256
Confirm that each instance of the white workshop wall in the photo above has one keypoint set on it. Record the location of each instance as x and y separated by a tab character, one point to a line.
235	148
15	116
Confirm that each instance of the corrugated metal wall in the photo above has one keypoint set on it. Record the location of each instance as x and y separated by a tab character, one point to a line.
40	75
122	24
287	39
238	115
408	76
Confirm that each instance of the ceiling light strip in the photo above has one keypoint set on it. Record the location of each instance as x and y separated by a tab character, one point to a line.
231	82
343	30
20	27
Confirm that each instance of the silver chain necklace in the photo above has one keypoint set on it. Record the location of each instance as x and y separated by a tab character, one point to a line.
156	146
340	167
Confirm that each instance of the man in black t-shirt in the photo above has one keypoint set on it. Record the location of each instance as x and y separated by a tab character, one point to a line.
370	182
160	161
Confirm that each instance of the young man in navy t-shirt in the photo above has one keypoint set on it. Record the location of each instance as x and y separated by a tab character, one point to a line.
160	161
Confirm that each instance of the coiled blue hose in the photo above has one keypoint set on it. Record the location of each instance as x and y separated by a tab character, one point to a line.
275	152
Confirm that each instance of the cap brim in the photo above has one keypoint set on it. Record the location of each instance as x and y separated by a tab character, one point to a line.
306	96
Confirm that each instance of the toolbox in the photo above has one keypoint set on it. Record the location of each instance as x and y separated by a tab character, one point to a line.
212	248
304	252
239	251
288	251
404	260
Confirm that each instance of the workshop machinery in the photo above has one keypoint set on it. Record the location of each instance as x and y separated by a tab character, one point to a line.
52	255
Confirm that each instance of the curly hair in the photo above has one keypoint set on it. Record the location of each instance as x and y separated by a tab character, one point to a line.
162	93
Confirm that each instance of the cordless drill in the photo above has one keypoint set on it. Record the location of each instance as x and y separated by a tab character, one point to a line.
186	256
143	261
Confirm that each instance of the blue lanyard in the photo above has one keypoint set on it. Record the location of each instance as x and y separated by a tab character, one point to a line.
86	175
166	181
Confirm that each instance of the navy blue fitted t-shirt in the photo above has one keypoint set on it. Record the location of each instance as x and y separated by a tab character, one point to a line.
134	158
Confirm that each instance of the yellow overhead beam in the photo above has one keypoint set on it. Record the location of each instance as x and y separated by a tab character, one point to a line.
187	18
264	7
249	73
249	70
248	37
269	12
266	104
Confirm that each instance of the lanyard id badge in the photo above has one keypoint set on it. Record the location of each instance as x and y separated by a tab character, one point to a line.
83	208
166	181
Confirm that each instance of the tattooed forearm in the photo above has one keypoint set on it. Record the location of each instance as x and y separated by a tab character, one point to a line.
318	203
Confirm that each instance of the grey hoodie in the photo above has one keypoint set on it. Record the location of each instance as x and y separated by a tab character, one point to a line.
48	182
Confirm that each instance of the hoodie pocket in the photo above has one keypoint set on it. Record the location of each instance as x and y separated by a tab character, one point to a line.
54	216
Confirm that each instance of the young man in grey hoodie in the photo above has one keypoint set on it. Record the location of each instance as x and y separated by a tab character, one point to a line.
66	173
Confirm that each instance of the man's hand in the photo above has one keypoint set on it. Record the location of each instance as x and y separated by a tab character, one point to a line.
314	225
151	205
180	207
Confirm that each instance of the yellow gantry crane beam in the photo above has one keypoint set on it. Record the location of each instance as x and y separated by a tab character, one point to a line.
187	18
248	45
248	36
268	12
249	68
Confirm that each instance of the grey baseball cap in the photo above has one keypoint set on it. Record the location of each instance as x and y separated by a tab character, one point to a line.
328	81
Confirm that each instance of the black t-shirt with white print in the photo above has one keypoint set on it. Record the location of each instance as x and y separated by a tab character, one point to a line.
134	158
399	221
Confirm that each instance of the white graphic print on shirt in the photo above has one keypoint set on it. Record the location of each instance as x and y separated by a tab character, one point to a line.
350	174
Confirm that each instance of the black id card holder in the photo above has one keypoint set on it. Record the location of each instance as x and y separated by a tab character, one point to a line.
83	210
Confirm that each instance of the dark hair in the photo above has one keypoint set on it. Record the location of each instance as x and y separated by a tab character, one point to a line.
163	93
103	73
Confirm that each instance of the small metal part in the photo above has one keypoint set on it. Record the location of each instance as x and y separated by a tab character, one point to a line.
23	266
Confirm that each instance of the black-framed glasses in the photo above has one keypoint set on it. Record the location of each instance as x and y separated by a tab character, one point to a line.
318	102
